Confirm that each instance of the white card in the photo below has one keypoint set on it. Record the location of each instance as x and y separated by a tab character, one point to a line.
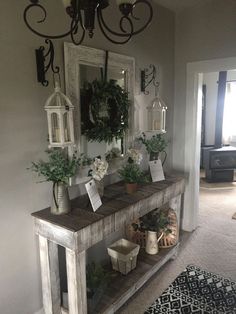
93	194
156	170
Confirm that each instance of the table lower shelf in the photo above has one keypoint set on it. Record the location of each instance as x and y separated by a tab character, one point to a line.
124	287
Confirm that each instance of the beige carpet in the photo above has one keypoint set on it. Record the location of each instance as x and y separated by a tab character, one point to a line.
212	246
218	185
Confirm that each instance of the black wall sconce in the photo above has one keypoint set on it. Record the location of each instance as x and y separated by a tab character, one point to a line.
148	76
44	61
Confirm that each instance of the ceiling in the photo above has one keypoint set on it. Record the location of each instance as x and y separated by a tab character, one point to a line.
178	5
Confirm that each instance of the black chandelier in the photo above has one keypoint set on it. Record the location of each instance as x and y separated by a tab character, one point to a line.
83	14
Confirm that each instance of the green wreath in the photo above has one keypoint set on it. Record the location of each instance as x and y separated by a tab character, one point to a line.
104	111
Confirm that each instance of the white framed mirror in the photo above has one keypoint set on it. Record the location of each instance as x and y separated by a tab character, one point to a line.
84	64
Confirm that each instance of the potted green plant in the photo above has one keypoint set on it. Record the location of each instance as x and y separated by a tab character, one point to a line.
97	280
131	172
155	225
154	146
58	169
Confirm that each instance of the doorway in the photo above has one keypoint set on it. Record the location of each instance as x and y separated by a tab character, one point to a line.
192	144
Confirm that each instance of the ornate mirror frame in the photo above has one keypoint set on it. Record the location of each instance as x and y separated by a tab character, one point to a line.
77	55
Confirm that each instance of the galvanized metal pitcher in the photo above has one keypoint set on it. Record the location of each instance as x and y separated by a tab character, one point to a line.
60	200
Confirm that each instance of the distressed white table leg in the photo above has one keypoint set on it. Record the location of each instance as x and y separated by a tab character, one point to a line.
50	276
76	279
175	203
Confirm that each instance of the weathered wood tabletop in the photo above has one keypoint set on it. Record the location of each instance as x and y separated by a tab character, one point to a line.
115	200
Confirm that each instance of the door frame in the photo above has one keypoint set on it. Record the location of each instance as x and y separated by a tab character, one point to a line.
195	71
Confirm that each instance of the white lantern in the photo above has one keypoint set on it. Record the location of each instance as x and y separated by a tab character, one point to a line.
60	119
157	115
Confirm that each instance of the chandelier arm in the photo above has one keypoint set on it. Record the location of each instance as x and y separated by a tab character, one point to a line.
105	26
126	18
77	21
129	35
136	18
25	16
125	34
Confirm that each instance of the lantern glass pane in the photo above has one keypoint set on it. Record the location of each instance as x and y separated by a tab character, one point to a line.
66	124
155	114
156	121
55	128
58	101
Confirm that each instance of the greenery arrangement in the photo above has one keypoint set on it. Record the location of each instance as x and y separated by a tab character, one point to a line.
58	168
156	144
104	110
85	160
113	153
96	277
156	221
131	172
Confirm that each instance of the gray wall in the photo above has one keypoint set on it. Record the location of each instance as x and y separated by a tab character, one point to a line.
24	132
204	32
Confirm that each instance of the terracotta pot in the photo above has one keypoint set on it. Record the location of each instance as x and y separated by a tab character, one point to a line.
131	187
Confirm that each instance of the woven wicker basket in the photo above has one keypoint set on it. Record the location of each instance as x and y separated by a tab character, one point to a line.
136	236
139	238
172	238
165	242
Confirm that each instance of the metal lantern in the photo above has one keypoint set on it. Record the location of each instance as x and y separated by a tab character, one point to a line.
157	115
60	119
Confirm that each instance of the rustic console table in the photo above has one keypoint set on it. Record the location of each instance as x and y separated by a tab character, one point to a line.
81	229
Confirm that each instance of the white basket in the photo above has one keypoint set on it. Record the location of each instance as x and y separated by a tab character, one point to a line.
123	255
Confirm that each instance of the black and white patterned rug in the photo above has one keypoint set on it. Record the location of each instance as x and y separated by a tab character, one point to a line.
197	291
